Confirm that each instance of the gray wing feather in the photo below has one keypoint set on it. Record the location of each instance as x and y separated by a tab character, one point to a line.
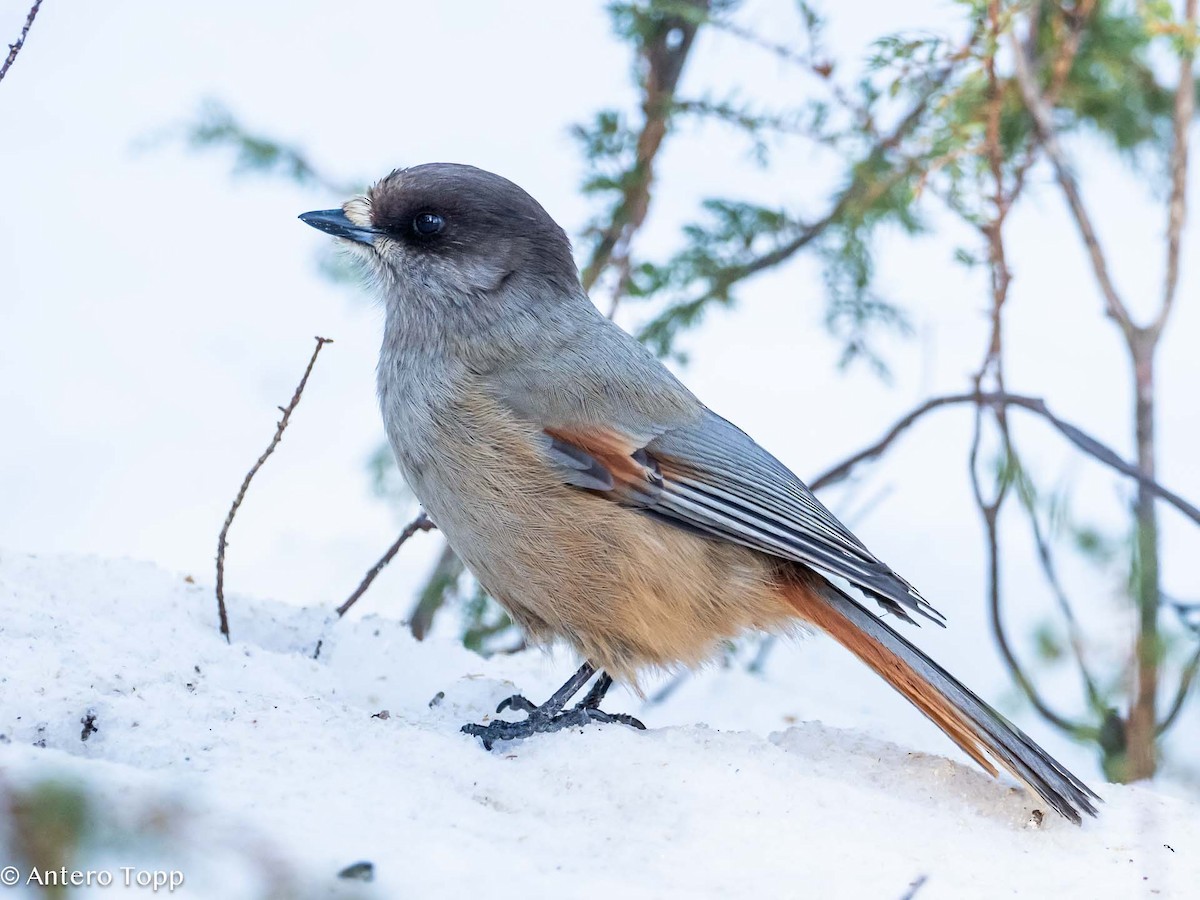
712	478
717	475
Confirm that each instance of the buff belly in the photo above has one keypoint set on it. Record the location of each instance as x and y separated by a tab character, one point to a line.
626	590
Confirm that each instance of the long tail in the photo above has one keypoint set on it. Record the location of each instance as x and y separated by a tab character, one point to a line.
977	728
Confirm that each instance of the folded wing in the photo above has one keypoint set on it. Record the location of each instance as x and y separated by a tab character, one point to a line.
712	478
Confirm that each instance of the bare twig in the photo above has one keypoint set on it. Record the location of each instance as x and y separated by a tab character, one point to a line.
1050	572
14	49
844	469
664	52
1076	436
1060	70
1143	721
1039	112
1060	67
1185	103
994	230
990	511
222	540
421	523
441	584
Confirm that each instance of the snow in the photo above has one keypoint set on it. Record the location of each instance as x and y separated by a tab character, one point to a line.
256	770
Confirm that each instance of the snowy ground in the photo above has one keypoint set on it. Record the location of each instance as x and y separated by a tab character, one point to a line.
256	770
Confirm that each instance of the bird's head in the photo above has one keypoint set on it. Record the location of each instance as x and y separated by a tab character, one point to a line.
445	235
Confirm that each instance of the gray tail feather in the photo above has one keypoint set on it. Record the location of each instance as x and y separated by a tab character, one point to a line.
1003	741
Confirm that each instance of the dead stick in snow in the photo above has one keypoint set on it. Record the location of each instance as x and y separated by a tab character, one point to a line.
222	540
420	523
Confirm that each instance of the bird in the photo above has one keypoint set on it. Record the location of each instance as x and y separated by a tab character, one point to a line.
592	494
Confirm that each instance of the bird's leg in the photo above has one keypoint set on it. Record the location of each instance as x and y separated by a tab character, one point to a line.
556	702
592	702
550	716
596	694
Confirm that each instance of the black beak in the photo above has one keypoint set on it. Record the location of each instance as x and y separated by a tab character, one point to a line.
334	221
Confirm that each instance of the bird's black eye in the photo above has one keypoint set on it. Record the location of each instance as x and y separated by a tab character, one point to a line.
428	224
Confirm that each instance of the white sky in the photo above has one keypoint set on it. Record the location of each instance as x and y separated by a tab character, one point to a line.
153	313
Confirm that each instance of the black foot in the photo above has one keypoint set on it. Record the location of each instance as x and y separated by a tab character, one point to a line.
551	716
544	724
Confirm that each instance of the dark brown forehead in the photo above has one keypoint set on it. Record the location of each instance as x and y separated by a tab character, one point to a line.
487	219
481	198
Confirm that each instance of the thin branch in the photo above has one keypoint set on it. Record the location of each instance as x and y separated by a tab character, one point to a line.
421	523
1185	684
665	52
1050	571
844	469
994	230
1060	67
14	49
1060	70
441	584
990	511
222	540
1014	666
1076	436
1185	103
1039	112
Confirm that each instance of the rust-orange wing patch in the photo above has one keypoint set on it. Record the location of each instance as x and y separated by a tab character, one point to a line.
605	460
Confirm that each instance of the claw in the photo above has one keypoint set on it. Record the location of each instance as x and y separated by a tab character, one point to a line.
626	719
518	702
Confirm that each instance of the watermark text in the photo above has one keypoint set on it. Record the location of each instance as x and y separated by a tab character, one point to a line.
153	880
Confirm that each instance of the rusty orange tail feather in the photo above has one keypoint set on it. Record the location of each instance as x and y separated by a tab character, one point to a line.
981	732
